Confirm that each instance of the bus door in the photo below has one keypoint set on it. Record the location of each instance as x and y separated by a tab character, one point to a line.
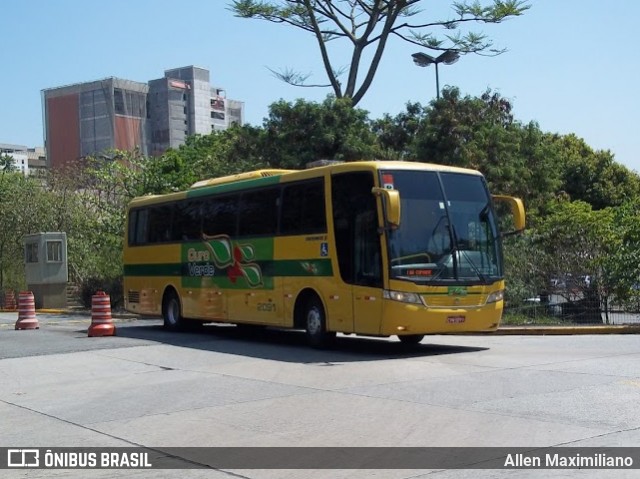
367	287
358	246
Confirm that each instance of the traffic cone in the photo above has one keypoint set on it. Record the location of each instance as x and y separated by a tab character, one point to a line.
27	311
101	321
10	300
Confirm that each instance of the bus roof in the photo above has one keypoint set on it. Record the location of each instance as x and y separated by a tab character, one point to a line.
249	175
267	177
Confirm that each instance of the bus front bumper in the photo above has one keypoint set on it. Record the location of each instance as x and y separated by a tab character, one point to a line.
404	319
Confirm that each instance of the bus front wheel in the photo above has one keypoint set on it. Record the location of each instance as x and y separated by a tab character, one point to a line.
316	324
411	338
171	312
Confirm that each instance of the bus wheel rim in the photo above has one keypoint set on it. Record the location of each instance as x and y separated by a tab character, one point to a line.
314	321
173	312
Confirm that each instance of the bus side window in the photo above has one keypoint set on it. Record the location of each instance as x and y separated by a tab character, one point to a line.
186	221
220	215
159	224
303	210
137	230
259	212
367	250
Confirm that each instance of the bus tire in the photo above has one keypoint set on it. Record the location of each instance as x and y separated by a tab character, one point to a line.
411	338
315	322
171	314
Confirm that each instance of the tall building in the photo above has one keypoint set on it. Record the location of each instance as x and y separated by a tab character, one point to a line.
89	118
184	103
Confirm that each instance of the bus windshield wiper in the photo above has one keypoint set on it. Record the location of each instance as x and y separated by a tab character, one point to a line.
464	253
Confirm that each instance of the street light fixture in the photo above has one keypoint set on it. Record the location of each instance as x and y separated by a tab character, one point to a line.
449	57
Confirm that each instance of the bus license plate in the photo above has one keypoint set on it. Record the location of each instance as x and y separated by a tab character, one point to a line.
456	319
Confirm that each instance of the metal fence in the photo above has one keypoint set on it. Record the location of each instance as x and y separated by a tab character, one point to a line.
571	307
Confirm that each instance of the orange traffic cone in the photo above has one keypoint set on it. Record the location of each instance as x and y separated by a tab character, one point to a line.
101	321
27	311
10	300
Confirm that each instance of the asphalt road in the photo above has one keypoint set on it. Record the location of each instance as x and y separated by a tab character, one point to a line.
226	387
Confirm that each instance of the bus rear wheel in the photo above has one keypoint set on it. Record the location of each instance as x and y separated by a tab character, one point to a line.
171	312
316	324
411	338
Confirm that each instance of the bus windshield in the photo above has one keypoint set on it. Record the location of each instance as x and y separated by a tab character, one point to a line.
448	230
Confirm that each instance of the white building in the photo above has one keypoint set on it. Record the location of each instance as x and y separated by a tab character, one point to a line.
20	155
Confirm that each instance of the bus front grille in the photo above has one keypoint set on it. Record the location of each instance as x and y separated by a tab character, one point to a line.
453	301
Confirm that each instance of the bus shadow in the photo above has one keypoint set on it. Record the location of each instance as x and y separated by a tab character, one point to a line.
288	345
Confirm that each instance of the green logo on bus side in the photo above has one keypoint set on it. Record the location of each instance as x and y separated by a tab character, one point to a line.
235	259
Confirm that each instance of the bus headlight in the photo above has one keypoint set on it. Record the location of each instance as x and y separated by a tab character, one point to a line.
411	298
495	296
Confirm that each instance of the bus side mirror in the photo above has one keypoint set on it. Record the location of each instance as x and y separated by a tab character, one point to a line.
517	210
391	204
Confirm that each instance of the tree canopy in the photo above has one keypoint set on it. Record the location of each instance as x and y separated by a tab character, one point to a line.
368	25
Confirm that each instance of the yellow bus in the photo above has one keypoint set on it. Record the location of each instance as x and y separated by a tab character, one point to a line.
370	248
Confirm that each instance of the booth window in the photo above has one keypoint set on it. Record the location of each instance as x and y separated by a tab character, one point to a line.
31	252
54	251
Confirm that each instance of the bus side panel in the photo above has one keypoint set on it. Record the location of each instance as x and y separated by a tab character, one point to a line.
147	272
305	262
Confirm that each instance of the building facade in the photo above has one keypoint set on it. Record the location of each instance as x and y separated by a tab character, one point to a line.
91	118
19	154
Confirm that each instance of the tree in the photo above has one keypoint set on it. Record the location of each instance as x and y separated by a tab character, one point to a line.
227	152
370	24
302	132
478	133
24	209
7	163
594	176
576	239
621	267
396	135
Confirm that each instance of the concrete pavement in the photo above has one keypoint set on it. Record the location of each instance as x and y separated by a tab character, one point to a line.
224	387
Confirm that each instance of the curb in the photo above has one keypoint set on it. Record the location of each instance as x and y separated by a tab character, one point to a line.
567	330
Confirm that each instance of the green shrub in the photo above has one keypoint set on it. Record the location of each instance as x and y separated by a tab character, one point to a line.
111	286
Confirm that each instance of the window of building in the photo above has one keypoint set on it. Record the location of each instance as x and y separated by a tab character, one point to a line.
54	251
31	252
118	101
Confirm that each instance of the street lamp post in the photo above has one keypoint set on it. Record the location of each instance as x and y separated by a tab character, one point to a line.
449	57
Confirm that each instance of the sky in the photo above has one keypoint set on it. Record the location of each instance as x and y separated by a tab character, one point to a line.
572	66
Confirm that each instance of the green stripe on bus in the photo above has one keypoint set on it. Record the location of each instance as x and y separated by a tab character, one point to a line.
309	267
231	187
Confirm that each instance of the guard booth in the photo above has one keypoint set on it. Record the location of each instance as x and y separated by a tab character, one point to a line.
46	268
